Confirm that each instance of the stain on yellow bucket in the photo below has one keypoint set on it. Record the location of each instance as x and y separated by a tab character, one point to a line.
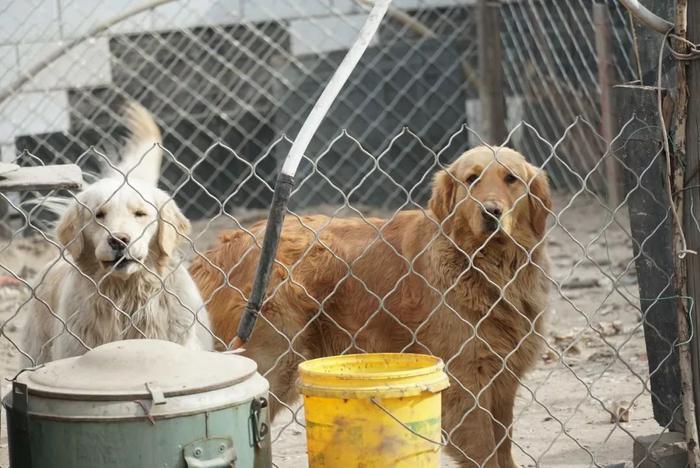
346	428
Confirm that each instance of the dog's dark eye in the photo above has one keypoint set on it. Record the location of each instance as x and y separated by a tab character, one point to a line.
471	179
139	213
510	178
100	214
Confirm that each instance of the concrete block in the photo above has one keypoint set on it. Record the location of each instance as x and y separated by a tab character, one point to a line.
274	10
30	113
427	4
320	35
9	65
8	152
188	14
346	7
514	106
79	16
28	20
473	113
87	64
667	450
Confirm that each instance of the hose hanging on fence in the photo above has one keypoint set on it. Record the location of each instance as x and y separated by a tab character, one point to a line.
285	181
648	18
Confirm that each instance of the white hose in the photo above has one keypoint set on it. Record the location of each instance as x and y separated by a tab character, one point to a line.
320	109
648	18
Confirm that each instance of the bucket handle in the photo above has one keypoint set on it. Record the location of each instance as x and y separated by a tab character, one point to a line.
442	442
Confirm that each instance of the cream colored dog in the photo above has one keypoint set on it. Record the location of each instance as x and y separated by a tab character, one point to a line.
119	276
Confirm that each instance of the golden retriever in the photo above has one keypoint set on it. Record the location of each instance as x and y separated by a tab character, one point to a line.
465	280
118	275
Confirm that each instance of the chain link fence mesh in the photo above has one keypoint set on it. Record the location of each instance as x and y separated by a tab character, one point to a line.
230	83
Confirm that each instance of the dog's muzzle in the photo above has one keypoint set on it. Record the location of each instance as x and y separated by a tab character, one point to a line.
119	243
492	213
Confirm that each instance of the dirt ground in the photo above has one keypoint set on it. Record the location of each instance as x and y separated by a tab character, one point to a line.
563	413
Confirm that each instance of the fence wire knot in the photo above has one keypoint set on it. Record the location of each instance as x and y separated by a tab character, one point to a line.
693	52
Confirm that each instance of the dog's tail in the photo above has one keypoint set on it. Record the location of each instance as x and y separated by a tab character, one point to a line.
142	154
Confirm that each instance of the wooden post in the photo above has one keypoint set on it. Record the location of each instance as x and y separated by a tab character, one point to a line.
491	83
652	232
606	78
691	199
687	355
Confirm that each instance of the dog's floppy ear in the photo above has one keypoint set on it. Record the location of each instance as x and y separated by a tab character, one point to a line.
69	230
442	200
540	200
172	224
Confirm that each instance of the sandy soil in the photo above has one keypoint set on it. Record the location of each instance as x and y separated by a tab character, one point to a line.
563	413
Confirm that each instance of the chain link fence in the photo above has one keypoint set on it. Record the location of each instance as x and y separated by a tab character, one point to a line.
244	74
230	83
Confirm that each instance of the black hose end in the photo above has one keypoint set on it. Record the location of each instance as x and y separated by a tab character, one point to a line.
247	323
283	190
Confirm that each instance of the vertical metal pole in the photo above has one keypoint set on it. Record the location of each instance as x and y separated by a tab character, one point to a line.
491	87
606	78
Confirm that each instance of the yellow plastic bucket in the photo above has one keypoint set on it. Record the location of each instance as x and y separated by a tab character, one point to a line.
373	410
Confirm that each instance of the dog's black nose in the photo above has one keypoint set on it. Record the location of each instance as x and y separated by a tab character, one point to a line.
119	241
492	210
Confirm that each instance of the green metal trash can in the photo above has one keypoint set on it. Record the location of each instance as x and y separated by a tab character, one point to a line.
140	403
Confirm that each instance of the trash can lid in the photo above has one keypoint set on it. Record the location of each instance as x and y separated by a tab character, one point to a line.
137	369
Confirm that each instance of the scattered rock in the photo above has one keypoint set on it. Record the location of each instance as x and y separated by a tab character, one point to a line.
549	357
27	272
563	339
602	355
601	261
618	326
578	283
620	411
592	341
609	328
566	343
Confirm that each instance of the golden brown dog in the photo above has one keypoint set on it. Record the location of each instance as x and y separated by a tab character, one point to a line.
465	281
